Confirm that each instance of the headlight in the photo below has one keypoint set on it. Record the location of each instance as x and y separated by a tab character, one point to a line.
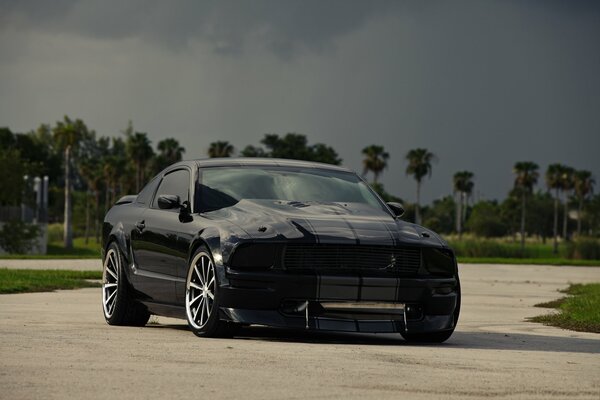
439	261
257	256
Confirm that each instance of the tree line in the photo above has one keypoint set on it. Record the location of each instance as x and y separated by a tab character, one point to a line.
100	169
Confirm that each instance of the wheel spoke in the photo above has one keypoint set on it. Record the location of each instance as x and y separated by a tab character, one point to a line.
196	310
203	276
110	297
195	299
207	309
195	286
109	285
112	305
203	305
198	274
113	258
111	272
209	270
210	294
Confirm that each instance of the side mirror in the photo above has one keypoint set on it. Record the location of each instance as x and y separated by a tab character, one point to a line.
168	201
396	208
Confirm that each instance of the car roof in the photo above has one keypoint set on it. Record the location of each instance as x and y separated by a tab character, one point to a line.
257	161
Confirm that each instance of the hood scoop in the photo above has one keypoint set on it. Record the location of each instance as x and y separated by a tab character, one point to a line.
297	204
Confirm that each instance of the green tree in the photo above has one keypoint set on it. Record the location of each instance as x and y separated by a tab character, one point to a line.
419	166
320	152
567	185
375	160
554	174
439	216
293	146
169	152
539	210
114	164
584	187
385	196
253	151
220	149
593	214
91	169
11	184
486	220
510	211
139	150
463	186
526	178
7	138
67	135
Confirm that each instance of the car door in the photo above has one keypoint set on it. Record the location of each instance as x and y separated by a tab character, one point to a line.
160	255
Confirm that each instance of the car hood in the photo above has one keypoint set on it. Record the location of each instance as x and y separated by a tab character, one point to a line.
340	223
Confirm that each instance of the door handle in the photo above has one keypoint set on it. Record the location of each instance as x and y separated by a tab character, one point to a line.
140	225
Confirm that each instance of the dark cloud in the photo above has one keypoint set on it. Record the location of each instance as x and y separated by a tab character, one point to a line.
283	26
480	83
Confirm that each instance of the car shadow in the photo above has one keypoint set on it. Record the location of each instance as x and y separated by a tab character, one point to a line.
460	340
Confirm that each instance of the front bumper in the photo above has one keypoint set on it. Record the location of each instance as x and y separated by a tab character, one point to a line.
278	298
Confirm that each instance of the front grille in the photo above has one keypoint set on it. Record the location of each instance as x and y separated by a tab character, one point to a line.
328	257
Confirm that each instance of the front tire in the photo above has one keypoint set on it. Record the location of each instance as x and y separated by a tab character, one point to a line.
117	302
202	297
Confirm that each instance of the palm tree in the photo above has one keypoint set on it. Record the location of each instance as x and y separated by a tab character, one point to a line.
553	182
567	184
169	152
463	185
140	152
220	149
526	179
375	160
584	186
114	165
419	166
92	173
67	134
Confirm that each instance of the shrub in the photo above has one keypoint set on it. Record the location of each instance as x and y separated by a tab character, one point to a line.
496	249
17	237
55	232
583	248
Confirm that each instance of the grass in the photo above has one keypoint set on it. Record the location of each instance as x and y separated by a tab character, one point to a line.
528	261
26	280
579	311
498	248
56	250
507	251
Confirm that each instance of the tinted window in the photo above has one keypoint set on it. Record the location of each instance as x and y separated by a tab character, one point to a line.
176	182
224	187
145	195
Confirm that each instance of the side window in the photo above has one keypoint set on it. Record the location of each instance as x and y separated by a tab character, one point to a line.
146	193
176	182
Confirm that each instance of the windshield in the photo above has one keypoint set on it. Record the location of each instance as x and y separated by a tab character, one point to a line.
225	186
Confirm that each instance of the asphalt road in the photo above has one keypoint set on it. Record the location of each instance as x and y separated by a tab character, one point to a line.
57	345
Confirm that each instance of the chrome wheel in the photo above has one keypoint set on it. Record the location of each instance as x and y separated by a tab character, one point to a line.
110	282
200	290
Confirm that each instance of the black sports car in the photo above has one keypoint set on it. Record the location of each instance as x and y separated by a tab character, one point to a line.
230	242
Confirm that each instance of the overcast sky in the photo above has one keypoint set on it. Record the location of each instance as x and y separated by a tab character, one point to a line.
482	84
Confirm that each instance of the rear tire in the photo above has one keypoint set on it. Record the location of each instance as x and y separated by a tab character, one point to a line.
202	298
118	304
